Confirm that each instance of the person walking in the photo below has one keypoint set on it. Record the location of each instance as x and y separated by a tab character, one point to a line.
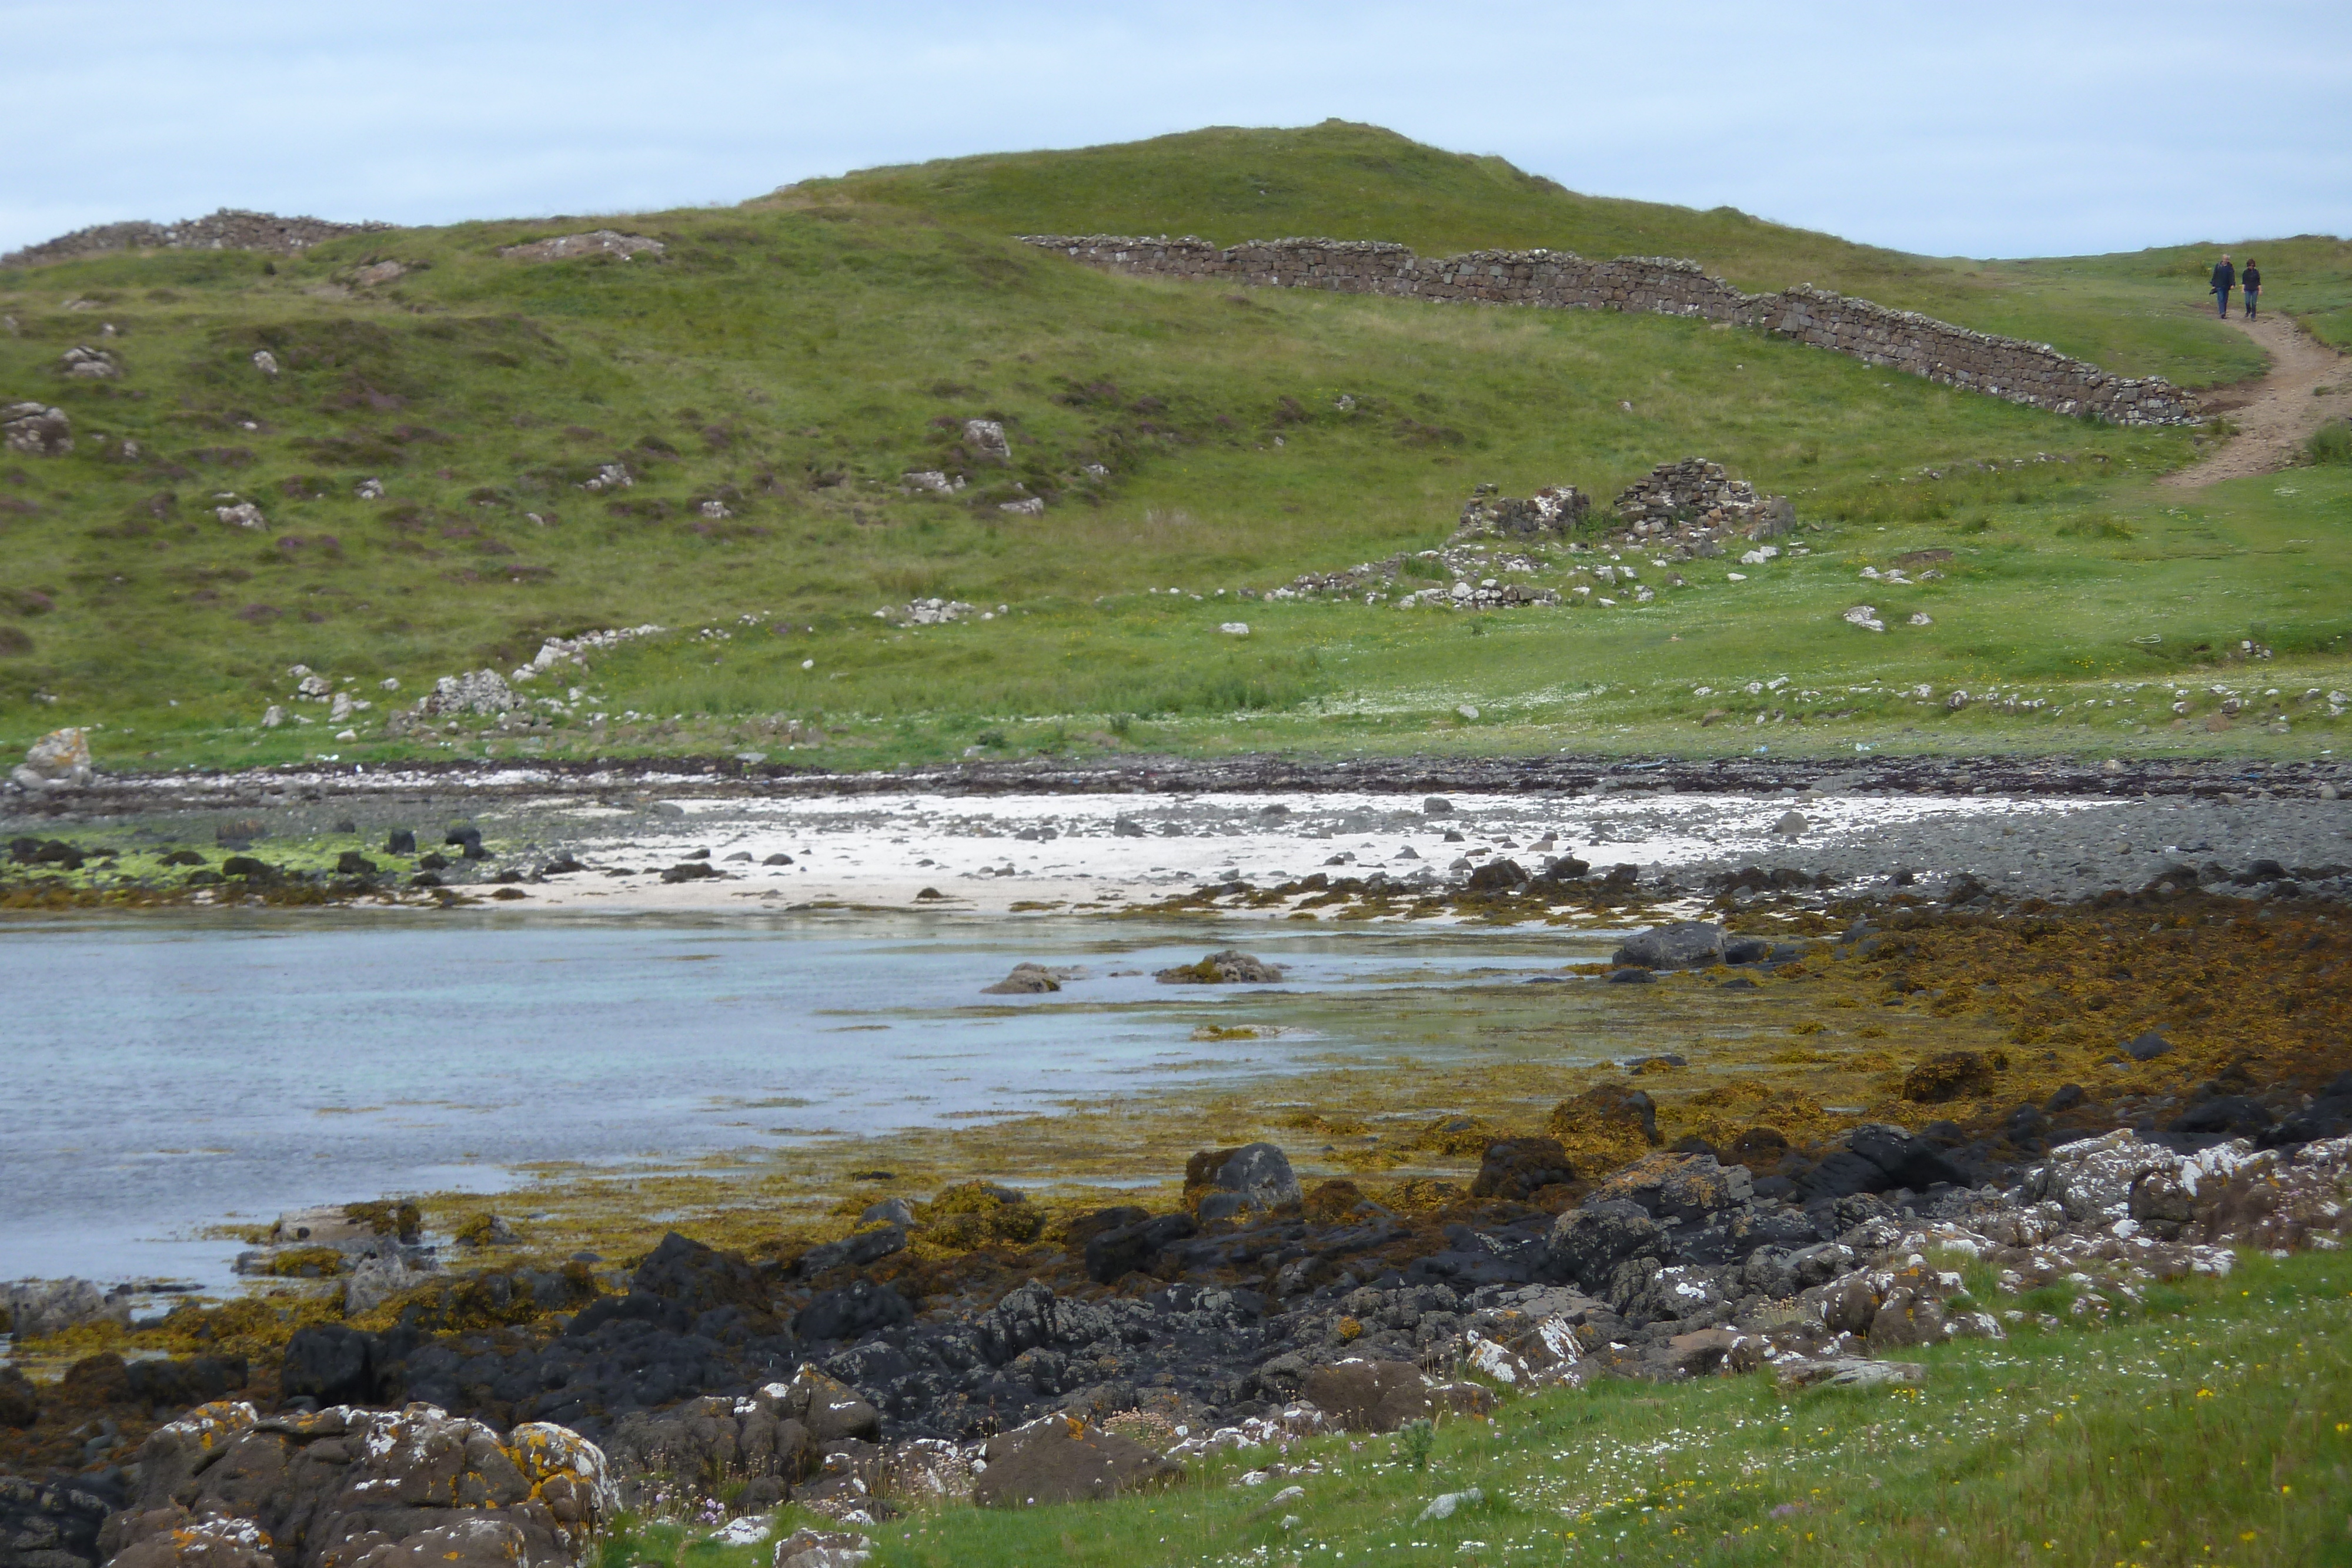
2224	275
2251	282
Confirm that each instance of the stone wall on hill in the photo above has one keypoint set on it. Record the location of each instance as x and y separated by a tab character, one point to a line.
2031	373
227	229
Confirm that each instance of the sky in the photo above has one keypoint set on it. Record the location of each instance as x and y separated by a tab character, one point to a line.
1981	128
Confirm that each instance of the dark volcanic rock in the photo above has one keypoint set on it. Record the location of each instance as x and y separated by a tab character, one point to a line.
53	1524
1687	945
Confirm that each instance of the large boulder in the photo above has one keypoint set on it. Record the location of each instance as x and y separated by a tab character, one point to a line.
476	691
224	1487
58	760
1368	1396
829	1408
1606	1127
1221	1183
1062	1460
1678	1187
1685	945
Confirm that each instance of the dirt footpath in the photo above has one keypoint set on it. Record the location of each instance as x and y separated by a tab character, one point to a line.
2309	384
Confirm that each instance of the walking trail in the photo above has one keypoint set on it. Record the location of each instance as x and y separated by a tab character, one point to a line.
2308	385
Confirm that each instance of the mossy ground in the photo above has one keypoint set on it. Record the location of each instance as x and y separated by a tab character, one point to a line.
787	361
2212	1427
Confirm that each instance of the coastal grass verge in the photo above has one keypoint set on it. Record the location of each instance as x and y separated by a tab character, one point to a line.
2213	1424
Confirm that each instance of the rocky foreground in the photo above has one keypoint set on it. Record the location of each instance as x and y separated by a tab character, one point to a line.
1257	1312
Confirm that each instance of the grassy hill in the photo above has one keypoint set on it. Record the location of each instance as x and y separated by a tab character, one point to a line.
783	363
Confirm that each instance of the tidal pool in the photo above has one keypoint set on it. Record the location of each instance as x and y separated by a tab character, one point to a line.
173	1076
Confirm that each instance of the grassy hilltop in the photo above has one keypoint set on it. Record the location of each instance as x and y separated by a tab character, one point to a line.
788	359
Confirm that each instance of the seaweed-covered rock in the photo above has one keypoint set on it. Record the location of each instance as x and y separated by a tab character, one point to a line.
1520	1167
1231	968
1951	1075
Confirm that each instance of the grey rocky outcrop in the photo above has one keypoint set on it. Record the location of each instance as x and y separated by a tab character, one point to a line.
476	691
226	1487
39	1308
58	760
2008	368
230	228
1685	945
1221	1183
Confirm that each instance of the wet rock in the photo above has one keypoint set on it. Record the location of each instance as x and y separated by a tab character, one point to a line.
1498	876
413	1489
1230	967
1025	981
1221	1183
692	870
1518	1168
1063	1460
1364	1395
1686	945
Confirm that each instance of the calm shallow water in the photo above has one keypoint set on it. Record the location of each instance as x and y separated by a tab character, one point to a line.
173	1075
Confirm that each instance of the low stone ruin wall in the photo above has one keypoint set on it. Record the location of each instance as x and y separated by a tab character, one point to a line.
2031	373
227	229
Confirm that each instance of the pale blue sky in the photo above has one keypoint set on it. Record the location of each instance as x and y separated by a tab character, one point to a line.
1968	126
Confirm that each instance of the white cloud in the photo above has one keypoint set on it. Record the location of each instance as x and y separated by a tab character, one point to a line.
2005	128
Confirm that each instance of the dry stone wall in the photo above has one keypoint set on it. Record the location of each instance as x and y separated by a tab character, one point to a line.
2011	368
227	229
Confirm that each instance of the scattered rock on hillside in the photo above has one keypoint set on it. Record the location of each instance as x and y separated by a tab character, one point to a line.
480	692
595	242
1865	616
241	515
85	363
230	228
986	438
1028	507
35	430
1230	967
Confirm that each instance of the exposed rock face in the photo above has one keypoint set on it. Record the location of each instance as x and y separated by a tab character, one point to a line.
753	1438
341	1487
2009	368
1063	1460
35	430
227	229
597	242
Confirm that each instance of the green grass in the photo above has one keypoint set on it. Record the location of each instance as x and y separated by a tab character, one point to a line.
790	359
2213	1425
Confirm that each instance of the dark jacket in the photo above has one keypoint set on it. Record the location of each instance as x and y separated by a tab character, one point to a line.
2252	279
2223	276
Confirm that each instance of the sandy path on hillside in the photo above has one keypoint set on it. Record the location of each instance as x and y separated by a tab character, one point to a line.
2308	385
